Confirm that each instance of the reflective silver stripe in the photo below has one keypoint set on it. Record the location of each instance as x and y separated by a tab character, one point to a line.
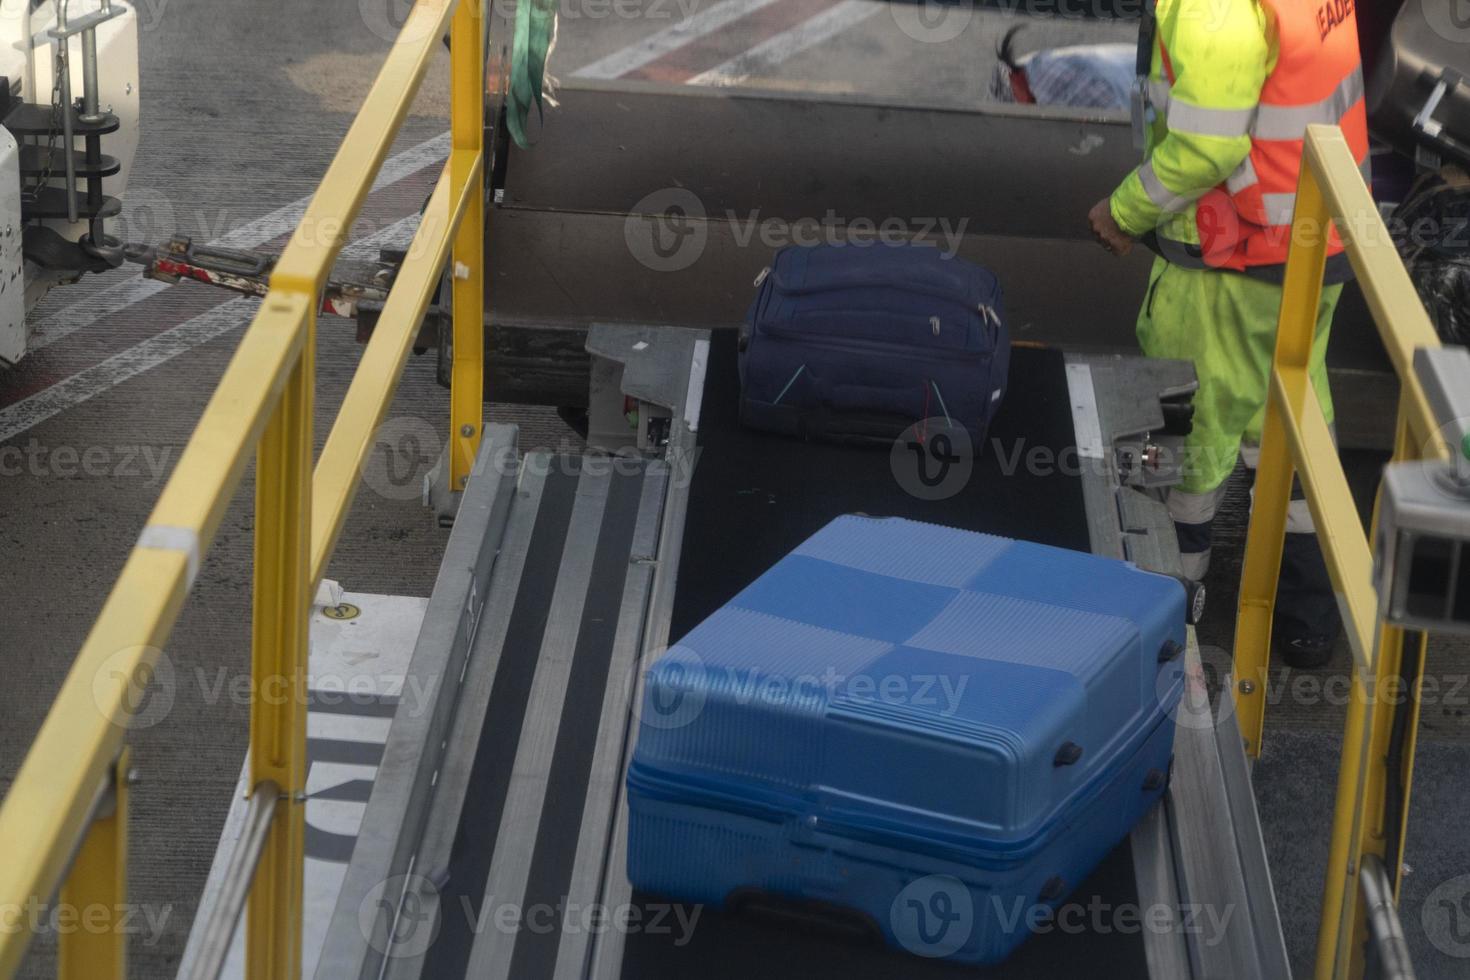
1160	194
1298	512
1290	122
1278	208
1203	121
1195	565
1158	93
1244	177
1298	516
1195	508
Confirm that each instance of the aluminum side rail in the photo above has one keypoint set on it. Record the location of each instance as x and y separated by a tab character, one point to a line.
558	564
1202	851
526	814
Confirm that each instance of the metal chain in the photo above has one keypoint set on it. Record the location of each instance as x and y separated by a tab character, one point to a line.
54	130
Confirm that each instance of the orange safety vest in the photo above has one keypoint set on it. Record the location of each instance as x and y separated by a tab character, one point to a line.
1245	222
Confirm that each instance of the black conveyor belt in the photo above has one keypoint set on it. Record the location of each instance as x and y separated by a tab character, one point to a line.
756	497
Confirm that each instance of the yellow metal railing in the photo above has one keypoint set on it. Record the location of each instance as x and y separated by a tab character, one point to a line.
63	822
1296	440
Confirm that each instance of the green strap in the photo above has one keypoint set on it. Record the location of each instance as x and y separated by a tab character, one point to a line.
535	29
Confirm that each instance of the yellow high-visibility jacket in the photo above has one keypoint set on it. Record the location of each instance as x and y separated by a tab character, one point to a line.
1221	52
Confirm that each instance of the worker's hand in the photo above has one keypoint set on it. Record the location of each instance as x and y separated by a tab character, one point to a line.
1106	230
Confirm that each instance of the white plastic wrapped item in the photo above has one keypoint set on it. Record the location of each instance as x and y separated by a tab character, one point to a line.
1097	76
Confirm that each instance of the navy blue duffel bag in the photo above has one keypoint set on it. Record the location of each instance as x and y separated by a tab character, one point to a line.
859	342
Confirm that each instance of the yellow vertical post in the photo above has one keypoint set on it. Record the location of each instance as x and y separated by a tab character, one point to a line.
467	133
1301	296
92	945
1340	890
279	662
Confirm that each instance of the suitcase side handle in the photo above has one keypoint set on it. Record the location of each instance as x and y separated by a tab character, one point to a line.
1170	651
1068	755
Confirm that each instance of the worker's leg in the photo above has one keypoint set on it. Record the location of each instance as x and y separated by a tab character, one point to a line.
1306	618
1196	315
1306	621
1179	320
1194	525
1226	324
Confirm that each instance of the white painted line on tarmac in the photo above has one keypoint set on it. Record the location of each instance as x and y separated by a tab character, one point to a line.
111	299
790	43
671	38
93	381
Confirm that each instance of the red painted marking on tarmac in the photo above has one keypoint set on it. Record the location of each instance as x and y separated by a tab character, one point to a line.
40	382
730	41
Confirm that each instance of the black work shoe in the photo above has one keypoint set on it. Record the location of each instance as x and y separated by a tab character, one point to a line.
1306	652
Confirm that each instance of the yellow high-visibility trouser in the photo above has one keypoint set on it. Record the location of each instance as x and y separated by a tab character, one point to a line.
1225	323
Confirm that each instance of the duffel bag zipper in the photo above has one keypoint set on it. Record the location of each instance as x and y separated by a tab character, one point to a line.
895	350
766	292
905	286
772	286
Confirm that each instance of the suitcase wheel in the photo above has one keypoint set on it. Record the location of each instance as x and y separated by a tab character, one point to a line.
1155	780
1170	650
1067	755
1196	593
1054	888
1194	599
